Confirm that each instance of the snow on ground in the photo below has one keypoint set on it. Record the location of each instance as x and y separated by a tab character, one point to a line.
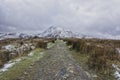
9	65
18	48
31	54
118	49
9	47
15	49
18	60
117	72
32	47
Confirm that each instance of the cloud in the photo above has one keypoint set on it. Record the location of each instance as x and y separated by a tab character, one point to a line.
88	16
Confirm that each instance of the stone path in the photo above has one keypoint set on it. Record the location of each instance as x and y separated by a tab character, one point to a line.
57	65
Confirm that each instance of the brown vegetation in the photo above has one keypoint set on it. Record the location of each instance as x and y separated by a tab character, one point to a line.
101	52
6	55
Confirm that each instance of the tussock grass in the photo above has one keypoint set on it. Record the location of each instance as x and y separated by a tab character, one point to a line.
98	55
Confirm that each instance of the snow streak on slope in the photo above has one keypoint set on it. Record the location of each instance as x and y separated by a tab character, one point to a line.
52	32
57	32
14	35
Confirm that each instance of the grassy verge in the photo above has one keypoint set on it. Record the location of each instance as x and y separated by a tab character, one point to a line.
81	58
19	68
49	45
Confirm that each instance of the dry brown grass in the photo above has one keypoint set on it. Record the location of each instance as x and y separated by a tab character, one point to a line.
102	53
5	56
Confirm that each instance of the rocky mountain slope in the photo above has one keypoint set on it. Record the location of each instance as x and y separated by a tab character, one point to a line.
57	32
52	32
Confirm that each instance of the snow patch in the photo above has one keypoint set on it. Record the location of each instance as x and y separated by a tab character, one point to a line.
12	53
18	48
9	47
15	35
118	49
6	67
117	72
31	54
32	47
18	60
10	64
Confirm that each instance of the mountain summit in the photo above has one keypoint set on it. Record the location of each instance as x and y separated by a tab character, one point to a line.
51	32
57	32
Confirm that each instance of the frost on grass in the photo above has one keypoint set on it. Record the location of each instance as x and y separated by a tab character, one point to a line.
117	72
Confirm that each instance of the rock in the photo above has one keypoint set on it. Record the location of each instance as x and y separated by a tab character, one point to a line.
25	73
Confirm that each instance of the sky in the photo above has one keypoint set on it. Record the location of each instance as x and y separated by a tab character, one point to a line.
82	16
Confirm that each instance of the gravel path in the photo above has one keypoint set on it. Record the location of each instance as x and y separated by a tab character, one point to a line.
57	65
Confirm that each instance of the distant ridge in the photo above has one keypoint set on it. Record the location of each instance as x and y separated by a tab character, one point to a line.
55	32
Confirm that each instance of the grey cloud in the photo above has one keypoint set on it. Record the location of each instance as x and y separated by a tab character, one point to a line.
84	16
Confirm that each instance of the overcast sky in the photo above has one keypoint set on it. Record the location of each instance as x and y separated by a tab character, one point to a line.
83	16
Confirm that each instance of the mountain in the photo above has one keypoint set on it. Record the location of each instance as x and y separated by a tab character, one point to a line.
14	35
51	32
57	32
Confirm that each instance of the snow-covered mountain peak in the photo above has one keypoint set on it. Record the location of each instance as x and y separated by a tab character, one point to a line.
57	32
51	32
14	35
